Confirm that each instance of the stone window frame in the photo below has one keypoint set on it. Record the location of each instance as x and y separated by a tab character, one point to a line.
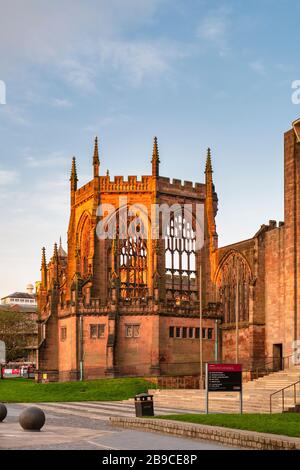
190	332
180	256
135	328
63	333
171	331
99	330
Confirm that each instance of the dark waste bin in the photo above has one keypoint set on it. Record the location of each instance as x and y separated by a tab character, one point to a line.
143	405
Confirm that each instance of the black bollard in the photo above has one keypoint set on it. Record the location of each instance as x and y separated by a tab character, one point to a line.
3	412
32	419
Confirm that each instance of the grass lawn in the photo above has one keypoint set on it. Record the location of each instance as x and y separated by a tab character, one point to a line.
287	424
27	391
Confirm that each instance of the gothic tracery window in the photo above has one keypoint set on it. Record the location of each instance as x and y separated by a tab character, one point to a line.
128	257
180	257
133	267
233	270
85	242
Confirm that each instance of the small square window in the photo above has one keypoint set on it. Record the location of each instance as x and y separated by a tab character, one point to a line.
63	333
184	332
101	330
178	331
132	331
93	331
129	331
171	332
209	333
136	331
97	331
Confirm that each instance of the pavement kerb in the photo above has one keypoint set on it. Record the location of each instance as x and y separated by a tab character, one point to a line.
231	437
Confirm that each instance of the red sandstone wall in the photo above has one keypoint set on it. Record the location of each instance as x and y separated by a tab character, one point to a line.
276	318
67	349
182	355
292	240
133	355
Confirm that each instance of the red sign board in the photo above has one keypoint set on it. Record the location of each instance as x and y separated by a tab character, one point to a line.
224	367
224	377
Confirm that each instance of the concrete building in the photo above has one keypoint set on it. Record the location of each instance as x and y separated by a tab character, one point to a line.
21	298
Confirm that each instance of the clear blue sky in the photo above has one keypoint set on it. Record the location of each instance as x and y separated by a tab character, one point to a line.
195	73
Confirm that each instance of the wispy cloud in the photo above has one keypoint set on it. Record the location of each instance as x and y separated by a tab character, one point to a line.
214	29
14	114
258	67
107	121
50	160
8	177
61	103
138	61
78	74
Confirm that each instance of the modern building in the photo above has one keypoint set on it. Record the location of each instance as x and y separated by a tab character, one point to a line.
21	298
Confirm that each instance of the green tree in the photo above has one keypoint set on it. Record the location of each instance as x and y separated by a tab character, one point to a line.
18	330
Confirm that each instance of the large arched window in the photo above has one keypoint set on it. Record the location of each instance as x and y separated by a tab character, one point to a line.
128	255
85	245
133	268
233	270
180	258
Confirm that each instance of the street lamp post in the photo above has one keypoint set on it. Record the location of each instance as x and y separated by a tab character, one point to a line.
237	317
200	334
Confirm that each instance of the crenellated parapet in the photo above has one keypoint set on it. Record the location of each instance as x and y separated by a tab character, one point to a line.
182	188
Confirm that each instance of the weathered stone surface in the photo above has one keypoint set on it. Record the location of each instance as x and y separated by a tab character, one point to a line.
82	290
32	419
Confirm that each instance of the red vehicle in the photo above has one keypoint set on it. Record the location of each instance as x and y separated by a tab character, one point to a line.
14	370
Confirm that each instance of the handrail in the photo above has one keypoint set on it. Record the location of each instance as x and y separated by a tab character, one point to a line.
281	362
282	390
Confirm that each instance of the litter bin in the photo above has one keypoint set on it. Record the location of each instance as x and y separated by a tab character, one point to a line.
143	405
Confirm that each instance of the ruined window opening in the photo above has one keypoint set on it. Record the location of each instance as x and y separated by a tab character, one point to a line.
133	268
85	248
235	268
128	257
180	258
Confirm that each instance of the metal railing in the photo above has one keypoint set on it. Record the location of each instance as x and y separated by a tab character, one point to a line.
275	364
282	391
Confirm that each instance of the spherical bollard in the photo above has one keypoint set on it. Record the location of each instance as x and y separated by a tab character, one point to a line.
3	412
32	419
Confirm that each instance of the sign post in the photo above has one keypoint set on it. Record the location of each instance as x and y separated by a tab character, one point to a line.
206	388
224	378
2	356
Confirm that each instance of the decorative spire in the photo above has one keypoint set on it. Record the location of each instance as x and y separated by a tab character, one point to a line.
208	166
96	161
155	159
44	263
107	172
56	264
44	269
61	251
73	178
55	253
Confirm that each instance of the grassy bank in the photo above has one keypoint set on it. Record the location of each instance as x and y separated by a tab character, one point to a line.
287	424
27	391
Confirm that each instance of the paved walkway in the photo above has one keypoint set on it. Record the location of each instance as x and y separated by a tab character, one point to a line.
103	410
85	426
